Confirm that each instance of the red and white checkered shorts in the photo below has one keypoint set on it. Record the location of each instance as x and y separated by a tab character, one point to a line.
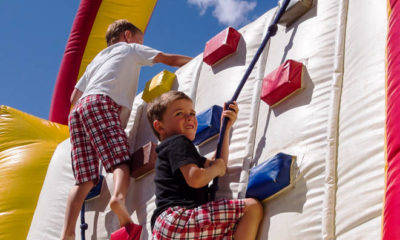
212	220
96	134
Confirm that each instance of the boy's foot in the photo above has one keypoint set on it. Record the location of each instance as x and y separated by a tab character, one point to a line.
117	205
130	231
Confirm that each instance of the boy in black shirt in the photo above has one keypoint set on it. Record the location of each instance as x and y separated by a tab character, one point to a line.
182	176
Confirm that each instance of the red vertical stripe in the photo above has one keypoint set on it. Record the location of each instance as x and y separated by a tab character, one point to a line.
69	70
391	213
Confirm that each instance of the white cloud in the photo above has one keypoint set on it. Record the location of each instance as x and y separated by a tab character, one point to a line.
203	4
228	12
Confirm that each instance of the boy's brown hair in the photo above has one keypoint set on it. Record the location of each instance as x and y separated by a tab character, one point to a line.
157	108
115	29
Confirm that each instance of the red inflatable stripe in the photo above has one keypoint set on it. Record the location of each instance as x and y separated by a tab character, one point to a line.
69	70
391	212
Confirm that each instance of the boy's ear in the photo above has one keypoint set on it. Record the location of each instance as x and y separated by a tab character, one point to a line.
125	36
158	126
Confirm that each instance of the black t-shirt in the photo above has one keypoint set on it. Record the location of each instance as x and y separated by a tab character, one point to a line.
171	187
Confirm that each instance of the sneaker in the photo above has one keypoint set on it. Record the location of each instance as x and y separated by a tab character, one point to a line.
130	231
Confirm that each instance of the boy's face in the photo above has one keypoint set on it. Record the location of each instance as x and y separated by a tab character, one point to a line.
179	118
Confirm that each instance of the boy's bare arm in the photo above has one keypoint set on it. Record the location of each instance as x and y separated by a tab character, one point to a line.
173	60
76	94
199	177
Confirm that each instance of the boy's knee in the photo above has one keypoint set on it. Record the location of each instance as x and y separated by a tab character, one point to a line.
254	207
121	167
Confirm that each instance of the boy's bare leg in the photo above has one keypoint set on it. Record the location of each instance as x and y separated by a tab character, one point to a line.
121	175
75	201
248	224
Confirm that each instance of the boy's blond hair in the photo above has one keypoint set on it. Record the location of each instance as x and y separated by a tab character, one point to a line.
115	29
157	108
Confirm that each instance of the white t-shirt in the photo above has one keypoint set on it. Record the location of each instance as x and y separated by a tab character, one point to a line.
115	72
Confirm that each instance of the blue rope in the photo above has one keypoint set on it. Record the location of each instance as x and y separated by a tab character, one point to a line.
94	192
272	29
84	225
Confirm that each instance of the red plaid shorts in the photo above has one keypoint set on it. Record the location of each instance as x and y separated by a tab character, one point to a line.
212	220
96	134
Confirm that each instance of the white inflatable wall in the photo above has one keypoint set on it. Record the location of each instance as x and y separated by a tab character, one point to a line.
335	127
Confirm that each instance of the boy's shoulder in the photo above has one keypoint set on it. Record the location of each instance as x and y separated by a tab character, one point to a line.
175	138
175	142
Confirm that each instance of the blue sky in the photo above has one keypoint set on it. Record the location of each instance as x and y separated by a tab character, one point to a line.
34	35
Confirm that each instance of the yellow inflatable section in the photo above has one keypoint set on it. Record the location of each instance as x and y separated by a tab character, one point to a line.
27	144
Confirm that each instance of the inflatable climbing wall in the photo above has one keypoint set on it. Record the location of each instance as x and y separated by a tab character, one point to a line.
334	125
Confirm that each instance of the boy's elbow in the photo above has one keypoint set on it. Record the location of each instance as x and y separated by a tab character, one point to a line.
195	184
182	60
195	179
72	100
172	60
76	94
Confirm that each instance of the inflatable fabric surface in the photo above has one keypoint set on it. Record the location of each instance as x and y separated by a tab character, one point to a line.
330	127
221	46
159	84
209	122
270	178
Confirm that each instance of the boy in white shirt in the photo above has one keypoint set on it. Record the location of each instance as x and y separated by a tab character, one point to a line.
102	101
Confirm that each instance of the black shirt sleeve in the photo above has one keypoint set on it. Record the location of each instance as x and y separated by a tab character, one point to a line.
183	152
